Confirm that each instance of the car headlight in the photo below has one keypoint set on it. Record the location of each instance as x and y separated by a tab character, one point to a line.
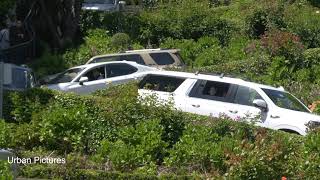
313	125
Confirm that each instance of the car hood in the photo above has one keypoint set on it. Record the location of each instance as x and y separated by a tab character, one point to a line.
99	7
60	86
299	116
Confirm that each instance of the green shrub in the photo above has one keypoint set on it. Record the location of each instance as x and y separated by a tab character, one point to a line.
19	106
120	41
185	20
48	64
114	22
139	146
199	149
304	21
97	42
311	57
311	155
6	134
5	170
265	157
262	19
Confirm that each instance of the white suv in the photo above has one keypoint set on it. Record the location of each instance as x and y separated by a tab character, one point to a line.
238	99
88	78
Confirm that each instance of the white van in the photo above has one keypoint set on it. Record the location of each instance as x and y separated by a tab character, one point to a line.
215	96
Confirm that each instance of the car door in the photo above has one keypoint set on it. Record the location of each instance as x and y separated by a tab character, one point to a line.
243	108
163	87
119	73
96	80
211	98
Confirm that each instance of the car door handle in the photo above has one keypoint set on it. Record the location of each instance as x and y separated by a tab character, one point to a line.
233	111
275	116
196	106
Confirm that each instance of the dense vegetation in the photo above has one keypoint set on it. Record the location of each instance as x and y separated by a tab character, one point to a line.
110	134
273	42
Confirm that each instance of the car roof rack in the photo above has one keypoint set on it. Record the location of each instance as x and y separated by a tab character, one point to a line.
222	75
143	50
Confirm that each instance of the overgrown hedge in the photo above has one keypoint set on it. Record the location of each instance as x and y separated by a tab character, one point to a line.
111	133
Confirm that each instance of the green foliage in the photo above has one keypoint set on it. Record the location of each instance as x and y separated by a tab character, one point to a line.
206	51
139	146
114	22
304	21
97	42
184	20
120	41
20	106
311	57
5	170
198	149
48	64
312	159
5	5
5	135
265	156
262	19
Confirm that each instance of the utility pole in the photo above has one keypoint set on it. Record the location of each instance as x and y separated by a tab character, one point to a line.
1	83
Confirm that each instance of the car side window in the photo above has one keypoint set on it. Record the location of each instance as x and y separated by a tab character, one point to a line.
212	90
246	96
161	83
96	74
106	59
114	70
133	57
162	58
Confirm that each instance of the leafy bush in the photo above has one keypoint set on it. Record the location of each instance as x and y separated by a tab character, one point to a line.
311	57
137	146
97	42
198	149
264	158
185	20
266	18
206	51
120	41
5	134
48	64
312	159
304	21
114	22
20	106
5	170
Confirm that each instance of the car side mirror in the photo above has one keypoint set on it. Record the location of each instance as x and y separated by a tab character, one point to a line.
261	104
82	80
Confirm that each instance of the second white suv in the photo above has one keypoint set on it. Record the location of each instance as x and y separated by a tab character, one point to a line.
238	99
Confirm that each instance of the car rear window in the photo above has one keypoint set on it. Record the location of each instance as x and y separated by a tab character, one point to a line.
162	58
134	58
161	83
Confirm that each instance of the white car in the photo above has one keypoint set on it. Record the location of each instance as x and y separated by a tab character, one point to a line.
88	78
102	5
238	99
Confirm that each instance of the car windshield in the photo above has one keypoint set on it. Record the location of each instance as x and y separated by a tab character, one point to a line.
66	76
99	1
285	100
